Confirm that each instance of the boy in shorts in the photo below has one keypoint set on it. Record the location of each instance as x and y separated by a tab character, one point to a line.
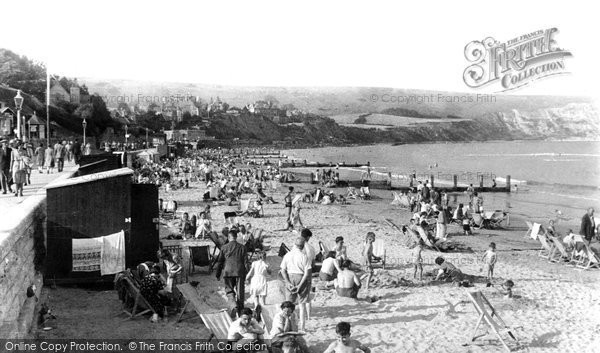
418	259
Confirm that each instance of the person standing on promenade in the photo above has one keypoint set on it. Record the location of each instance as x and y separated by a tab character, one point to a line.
39	157
5	158
76	151
588	225
59	156
231	263
49	159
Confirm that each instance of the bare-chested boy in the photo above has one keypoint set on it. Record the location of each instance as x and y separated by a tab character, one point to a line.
345	344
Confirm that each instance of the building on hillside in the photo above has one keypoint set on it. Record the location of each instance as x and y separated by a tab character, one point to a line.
75	95
59	94
190	135
7	119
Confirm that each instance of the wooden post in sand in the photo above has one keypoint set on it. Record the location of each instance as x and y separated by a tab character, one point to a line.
481	181
508	182
455	179
431	177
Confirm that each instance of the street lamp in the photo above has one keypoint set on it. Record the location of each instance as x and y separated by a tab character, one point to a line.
84	123
126	136
19	105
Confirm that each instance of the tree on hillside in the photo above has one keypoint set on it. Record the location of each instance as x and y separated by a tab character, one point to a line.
274	102
125	107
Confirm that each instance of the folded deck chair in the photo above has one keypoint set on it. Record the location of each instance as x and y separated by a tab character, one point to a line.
428	243
489	315
140	304
317	195
214	237
379	251
200	256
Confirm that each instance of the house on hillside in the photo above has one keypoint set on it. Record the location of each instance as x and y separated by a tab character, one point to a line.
59	94
7	119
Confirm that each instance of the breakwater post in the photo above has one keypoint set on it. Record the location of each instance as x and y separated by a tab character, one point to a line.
432	180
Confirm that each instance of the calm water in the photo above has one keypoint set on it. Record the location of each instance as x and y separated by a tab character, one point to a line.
565	174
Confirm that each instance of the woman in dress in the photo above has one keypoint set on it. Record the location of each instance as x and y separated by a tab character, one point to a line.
49	159
258	284
39	157
20	165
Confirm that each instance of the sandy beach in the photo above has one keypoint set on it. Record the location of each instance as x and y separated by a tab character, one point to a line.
556	307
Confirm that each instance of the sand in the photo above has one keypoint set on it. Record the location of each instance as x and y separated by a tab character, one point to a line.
556	307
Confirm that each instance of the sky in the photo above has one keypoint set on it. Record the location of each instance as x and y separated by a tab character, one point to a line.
417	45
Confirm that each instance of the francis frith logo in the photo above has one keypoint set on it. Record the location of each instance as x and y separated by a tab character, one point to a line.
514	63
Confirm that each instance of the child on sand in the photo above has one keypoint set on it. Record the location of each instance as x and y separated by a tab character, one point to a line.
368	257
258	285
418	260
489	259
507	288
345	344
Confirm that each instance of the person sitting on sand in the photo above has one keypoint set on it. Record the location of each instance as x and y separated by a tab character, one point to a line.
285	322
447	271
330	268
345	344
244	330
507	288
263	197
347	282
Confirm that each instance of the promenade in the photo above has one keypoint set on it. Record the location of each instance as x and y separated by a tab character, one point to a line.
8	201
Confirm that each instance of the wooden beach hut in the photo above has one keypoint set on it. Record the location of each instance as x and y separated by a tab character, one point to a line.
94	206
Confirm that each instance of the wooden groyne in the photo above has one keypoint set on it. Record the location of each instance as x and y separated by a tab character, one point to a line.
412	184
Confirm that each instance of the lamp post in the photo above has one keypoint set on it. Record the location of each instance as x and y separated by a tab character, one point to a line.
126	136
146	138
19	105
84	123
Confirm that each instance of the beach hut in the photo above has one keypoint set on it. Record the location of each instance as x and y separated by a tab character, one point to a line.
83	212
149	155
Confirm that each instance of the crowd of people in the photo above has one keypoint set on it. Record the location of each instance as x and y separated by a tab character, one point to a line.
19	158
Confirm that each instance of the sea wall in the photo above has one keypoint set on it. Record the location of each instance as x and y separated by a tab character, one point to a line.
22	250
22	254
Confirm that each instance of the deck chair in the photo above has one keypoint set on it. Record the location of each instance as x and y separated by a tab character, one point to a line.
559	252
491	318
428	243
200	256
244	204
215	239
478	221
317	195
379	251
140	304
587	257
546	249
529	229
217	322
283	249
323	248
266	315
496	218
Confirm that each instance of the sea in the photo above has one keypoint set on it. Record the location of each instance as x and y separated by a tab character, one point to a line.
552	178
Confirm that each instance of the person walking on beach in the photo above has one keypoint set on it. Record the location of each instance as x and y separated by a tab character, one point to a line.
295	270
288	205
588	225
59	156
231	263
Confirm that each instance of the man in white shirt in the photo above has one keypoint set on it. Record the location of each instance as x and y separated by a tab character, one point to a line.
245	329
295	270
